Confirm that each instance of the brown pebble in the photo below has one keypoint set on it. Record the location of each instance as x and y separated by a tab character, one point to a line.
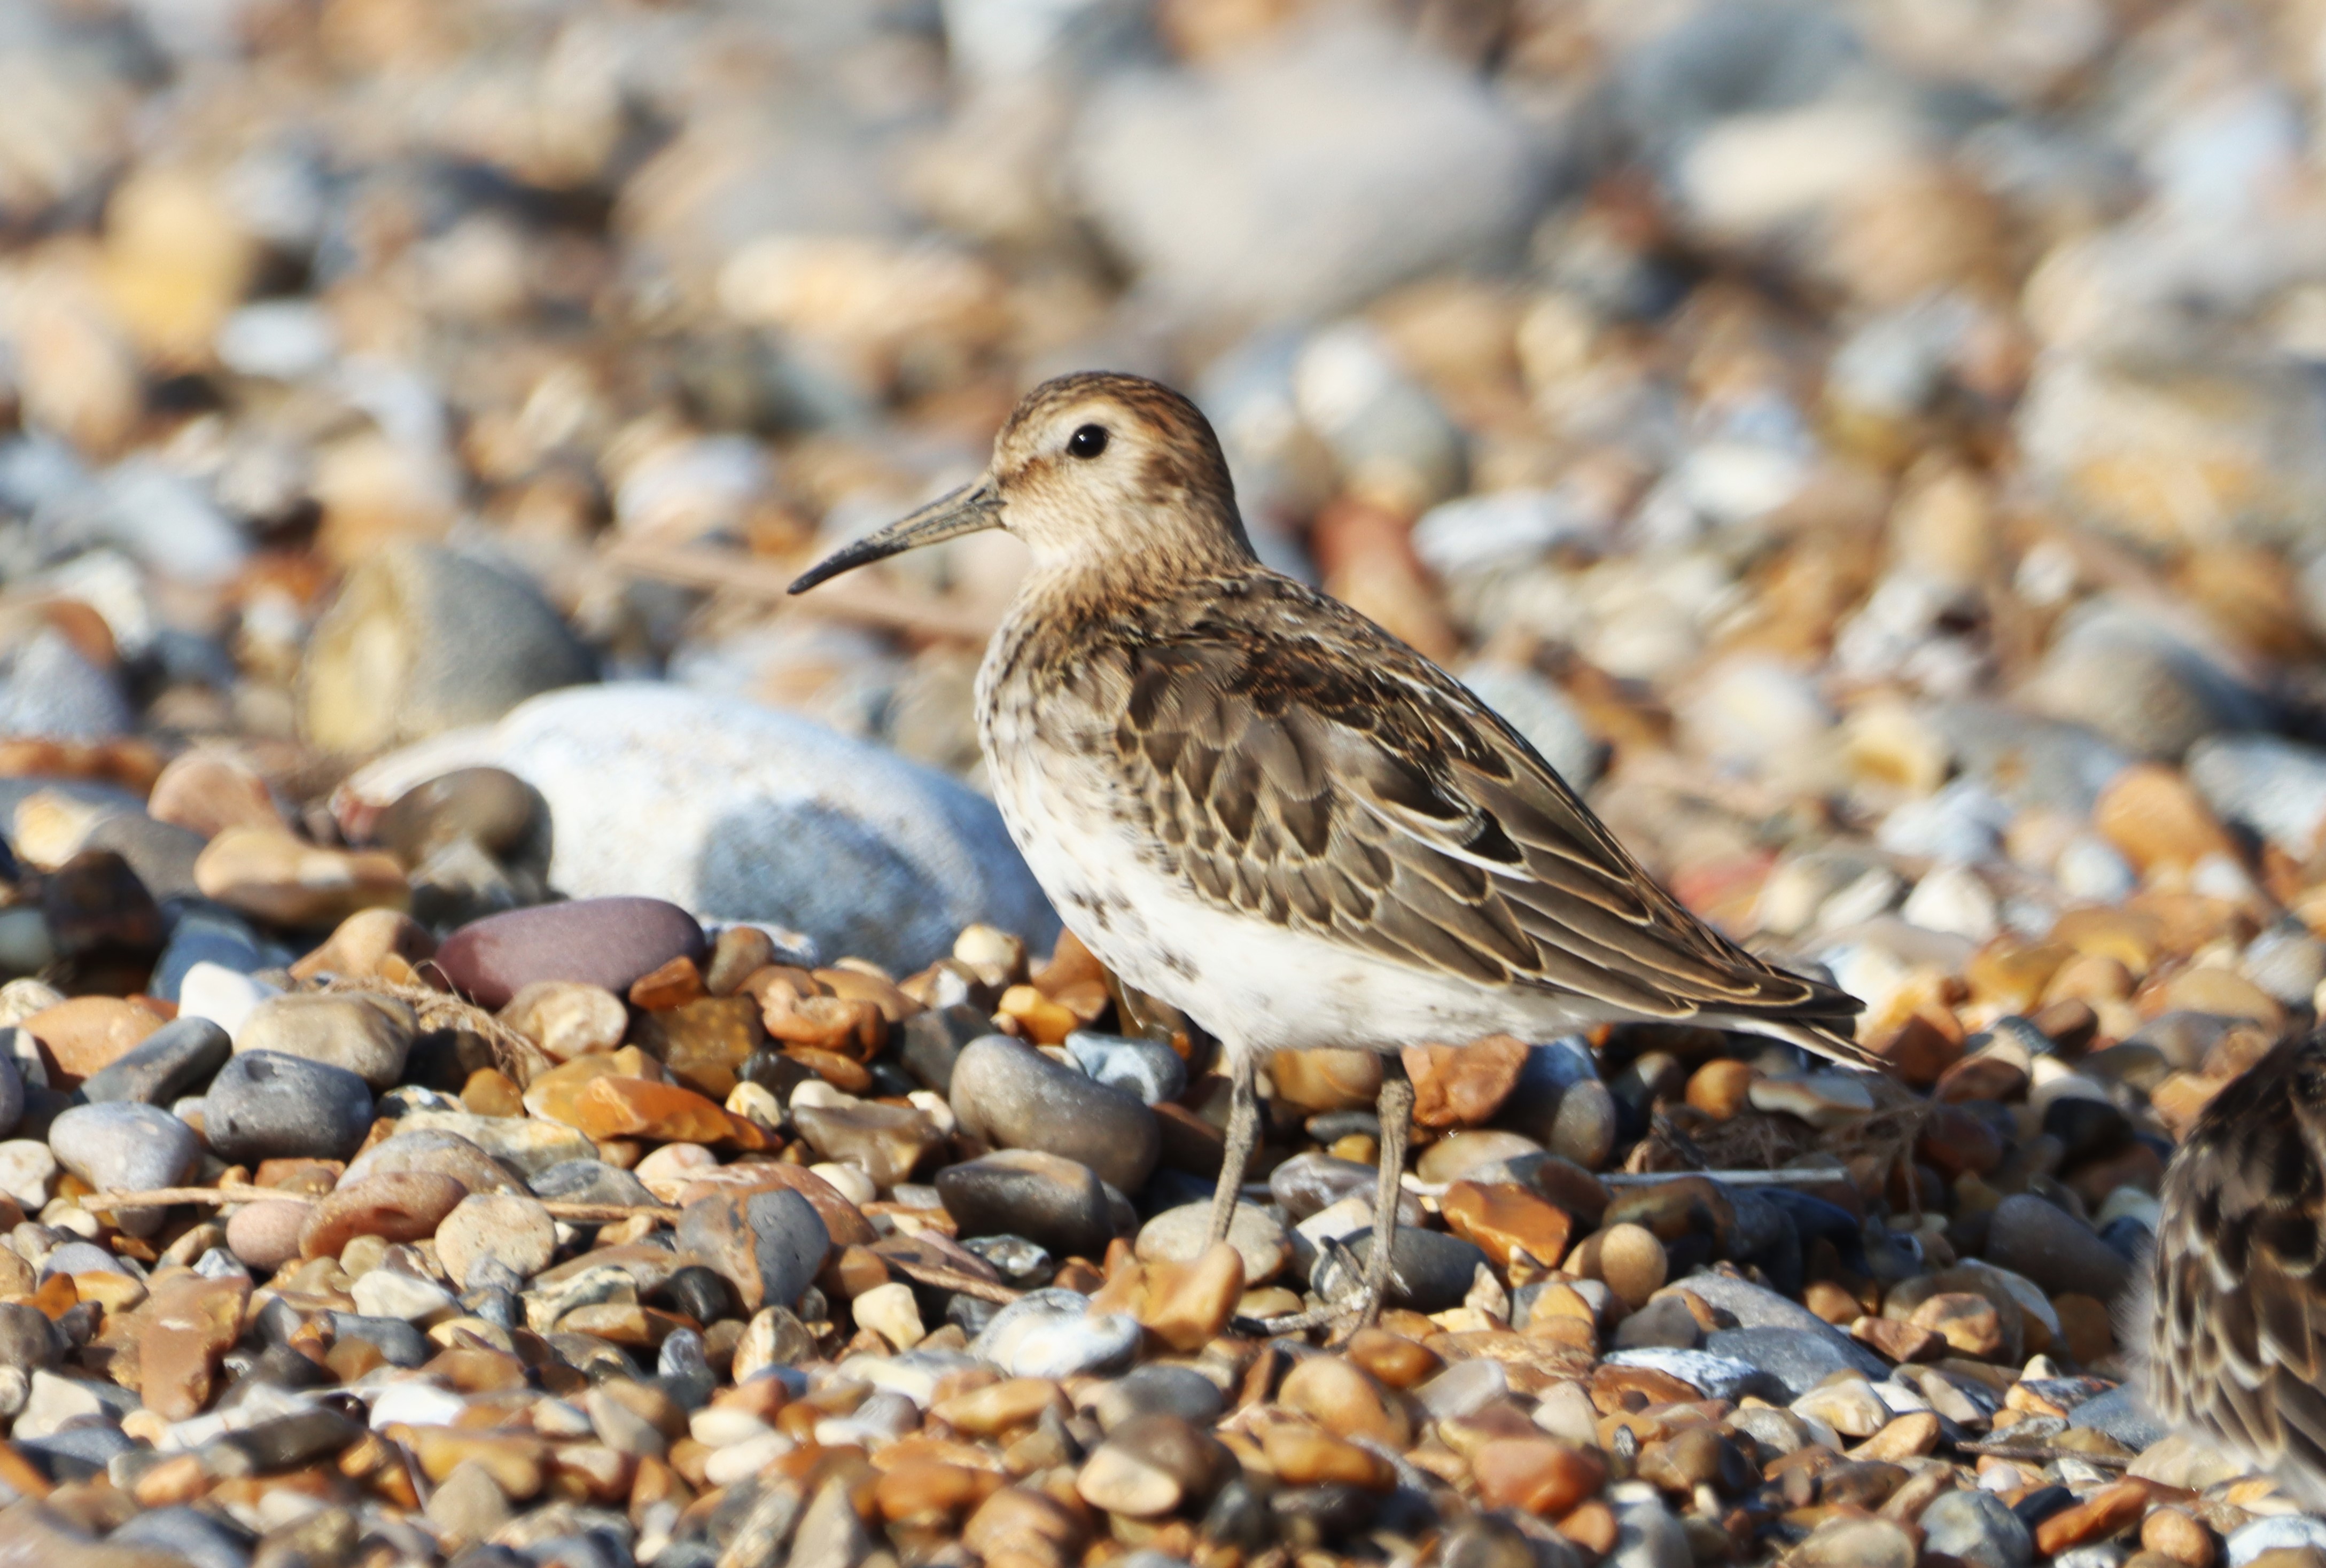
2175	1533
1538	1474
1305	1457
1392	1359
490	1092
1345	1401
2087	1325
400	1206
265	1234
1001	1406
1969	1324
1628	1259
1909	1436
2095	1519
1717	1088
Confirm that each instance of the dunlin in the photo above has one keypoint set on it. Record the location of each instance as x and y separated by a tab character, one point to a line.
2236	1342
1250	801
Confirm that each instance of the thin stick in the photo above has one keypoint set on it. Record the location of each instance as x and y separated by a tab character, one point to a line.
1733	1178
2045	1454
579	1214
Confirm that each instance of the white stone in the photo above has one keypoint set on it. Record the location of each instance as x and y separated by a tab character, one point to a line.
740	811
27	1173
741	1460
1951	898
219	994
1850	1407
888	1310
53	1402
415	1403
850	1180
715	1426
390	1293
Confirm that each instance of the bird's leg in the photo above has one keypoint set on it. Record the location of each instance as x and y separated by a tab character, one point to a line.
1243	1132
1395	1109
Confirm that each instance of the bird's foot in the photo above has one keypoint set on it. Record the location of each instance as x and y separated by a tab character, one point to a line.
1355	1308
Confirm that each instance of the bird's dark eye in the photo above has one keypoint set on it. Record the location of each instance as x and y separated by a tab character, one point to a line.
1088	441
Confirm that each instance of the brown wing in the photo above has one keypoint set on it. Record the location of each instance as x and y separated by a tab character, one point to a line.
2238	1339
1292	760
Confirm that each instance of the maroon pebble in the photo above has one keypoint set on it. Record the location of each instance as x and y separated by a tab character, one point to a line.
605	941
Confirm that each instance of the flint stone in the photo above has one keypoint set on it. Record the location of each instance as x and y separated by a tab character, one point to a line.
265	1106
370	1035
1428	1270
123	1145
200	1538
588	1181
717	803
171	1062
1013	1097
769	1245
527	1145
1048	1333
1058	1204
433	1151
1147	1069
422	639
2052	1246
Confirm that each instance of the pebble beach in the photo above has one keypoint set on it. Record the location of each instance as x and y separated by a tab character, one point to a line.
521	1047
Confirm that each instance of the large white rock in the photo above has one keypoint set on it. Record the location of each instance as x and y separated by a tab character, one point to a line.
740	811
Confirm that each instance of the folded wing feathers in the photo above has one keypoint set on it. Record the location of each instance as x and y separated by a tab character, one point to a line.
1355	793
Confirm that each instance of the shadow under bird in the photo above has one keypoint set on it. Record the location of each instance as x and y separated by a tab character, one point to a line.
1252	803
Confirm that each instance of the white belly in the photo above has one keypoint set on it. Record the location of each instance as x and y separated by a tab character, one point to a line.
1258	986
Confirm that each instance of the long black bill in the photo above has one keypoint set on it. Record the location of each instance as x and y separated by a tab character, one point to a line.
968	510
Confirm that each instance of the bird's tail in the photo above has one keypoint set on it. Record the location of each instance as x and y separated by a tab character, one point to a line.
1822	1039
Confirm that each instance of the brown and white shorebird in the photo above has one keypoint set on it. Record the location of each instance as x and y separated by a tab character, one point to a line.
2237	1328
1251	802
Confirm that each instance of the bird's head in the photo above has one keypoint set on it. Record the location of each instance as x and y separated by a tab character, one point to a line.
1094	472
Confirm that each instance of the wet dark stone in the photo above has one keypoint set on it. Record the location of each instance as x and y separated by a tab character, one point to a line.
202	1539
588	1181
290	1442
400	1342
1239	1517
929	1042
265	1105
2086	1128
1429	1271
95	902
1058	1204
699	1292
173	1061
773	1072
1159	1390
276	1367
488	807
76	1454
1322	1513
970	1314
